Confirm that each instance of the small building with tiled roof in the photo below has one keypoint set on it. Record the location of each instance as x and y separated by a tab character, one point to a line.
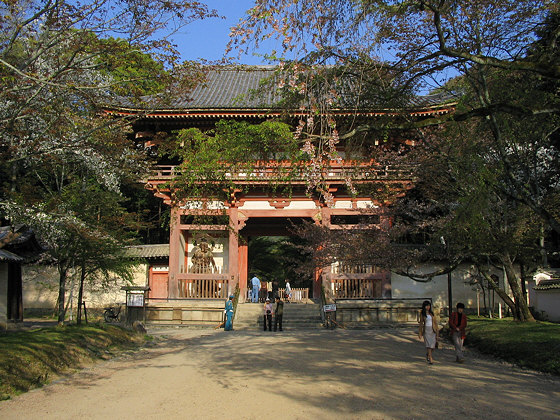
17	246
544	295
40	282
153	251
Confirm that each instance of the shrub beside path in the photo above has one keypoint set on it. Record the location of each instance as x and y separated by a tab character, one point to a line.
316	374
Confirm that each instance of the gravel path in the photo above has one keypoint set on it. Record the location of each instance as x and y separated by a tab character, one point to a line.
212	374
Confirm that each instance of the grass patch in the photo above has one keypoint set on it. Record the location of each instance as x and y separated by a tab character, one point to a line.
533	345
29	358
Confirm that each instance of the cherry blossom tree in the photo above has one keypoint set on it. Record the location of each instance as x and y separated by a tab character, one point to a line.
61	63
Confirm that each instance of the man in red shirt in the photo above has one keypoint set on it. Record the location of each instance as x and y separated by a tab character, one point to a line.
457	325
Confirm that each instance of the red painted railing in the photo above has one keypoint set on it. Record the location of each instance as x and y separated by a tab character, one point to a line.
274	170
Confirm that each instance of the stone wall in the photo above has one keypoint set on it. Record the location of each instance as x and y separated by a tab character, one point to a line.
40	289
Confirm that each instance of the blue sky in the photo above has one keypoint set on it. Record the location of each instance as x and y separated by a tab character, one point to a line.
208	38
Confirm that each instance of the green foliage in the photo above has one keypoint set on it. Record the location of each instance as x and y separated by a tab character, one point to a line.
135	73
236	143
29	359
533	346
232	147
277	258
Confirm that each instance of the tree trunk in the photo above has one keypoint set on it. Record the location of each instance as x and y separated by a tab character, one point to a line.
520	310
484	297
524	277
61	309
81	294
496	287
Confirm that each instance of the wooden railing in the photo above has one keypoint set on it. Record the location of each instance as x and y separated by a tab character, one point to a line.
203	288
272	170
355	269
355	288
298	295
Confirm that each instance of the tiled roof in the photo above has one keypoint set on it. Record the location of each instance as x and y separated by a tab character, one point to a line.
548	285
148	251
20	242
236	88
231	88
9	256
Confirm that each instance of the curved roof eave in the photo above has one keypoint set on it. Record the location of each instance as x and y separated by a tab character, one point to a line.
264	112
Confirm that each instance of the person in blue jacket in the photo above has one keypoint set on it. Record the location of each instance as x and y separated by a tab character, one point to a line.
256	286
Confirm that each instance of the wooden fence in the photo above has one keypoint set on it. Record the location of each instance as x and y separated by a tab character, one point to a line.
298	295
353	288
274	170
203	288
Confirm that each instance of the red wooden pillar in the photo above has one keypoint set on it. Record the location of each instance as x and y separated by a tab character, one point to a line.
243	268
175	257
233	254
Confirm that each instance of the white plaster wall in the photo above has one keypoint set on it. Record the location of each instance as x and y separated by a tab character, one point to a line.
548	301
301	205
532	294
343	204
3	294
362	204
40	288
256	205
405	287
210	205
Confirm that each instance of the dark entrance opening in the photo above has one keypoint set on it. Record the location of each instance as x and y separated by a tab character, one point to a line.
275	254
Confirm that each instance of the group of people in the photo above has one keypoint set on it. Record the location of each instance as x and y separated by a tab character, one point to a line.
428	326
270	312
429	330
276	312
272	293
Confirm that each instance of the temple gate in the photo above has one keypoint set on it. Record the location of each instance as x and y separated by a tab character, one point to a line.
208	261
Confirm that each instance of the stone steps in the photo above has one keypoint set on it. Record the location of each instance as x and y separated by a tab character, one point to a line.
297	316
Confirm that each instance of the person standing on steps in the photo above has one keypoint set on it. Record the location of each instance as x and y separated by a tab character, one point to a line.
278	313
457	326
269	290
288	291
268	314
428	330
256	286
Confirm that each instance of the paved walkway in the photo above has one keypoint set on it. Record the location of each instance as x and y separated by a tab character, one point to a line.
212	374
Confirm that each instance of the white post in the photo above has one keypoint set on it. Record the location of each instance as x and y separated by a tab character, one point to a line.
500	310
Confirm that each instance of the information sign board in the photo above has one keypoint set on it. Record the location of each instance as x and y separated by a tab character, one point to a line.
135	300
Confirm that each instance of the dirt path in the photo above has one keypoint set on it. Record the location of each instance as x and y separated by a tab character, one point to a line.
374	374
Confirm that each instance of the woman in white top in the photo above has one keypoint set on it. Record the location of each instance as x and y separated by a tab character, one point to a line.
288	291
428	330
